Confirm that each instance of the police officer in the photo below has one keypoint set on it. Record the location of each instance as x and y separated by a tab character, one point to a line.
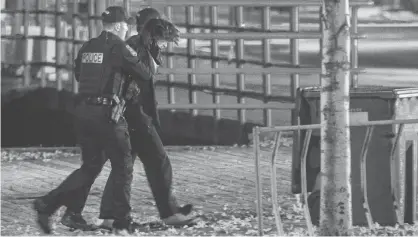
141	114
99	67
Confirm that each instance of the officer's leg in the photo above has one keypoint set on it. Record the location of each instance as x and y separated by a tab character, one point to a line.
77	201
77	184
118	149
73	218
80	181
106	204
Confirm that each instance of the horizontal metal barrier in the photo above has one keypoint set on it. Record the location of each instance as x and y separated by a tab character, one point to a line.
285	106
258	36
230	91
250	3
51	13
352	124
248	71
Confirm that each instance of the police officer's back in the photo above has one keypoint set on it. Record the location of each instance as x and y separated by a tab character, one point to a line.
100	67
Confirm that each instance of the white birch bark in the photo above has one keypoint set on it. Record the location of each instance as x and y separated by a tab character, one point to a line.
336	207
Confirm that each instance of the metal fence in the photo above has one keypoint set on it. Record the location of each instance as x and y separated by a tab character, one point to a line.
398	193
84	23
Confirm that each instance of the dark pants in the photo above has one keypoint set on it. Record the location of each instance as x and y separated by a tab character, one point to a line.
146	143
99	140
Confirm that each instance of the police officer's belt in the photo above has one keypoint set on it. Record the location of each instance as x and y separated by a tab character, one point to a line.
98	101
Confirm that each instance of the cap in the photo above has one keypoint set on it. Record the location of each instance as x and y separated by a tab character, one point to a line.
146	14
116	14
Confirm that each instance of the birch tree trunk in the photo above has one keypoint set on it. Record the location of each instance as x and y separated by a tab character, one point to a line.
336	207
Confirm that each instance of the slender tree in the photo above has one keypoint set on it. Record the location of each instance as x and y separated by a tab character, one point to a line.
336	207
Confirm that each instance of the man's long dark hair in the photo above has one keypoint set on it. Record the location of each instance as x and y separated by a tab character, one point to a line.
159	29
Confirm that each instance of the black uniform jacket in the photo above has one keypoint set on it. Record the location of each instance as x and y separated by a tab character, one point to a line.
117	58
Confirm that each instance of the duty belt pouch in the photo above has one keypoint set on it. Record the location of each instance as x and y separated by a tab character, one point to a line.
132	90
118	107
118	103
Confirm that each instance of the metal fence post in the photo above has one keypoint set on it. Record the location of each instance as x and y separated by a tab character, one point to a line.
100	8
258	181
171	94
43	43
26	64
354	46
215	64
16	32
127	6
294	78
239	47
266	60
90	17
191	60
58	40
76	36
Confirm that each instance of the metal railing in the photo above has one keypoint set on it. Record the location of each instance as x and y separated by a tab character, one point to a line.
257	131
237	35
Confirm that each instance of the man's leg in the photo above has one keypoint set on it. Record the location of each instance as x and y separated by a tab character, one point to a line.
157	166
147	144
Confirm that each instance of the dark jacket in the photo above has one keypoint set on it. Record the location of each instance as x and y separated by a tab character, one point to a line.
103	59
147	98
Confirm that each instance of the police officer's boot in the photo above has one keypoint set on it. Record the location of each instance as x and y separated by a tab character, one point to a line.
42	215
76	221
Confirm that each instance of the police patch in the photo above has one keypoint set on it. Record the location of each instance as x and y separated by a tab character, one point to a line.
131	50
92	58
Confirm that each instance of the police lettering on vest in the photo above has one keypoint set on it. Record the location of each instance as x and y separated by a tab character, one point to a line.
92	58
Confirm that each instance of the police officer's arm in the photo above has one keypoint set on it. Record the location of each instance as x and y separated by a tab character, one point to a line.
135	43
132	65
77	62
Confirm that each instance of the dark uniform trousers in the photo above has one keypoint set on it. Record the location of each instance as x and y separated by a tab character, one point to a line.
95	135
146	143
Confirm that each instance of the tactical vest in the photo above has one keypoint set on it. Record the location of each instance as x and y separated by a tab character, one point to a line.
97	76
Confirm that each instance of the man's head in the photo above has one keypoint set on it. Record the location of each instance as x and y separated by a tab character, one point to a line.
144	15
159	31
116	20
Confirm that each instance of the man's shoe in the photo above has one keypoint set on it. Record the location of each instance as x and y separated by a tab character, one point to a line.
186	209
123	226
179	220
42	215
76	221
